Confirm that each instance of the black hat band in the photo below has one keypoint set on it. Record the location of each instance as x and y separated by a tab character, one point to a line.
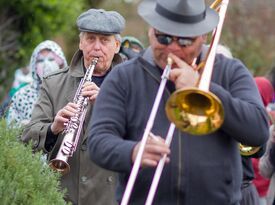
177	17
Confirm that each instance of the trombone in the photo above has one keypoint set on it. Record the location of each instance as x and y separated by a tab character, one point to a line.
196	110
193	110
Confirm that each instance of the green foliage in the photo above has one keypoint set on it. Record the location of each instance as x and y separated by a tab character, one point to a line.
25	23
24	177
39	20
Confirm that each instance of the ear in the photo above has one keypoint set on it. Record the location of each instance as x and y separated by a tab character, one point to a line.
118	44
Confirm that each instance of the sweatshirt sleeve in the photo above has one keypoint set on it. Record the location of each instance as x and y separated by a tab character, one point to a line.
245	116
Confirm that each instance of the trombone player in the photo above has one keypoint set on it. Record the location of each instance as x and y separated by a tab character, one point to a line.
199	169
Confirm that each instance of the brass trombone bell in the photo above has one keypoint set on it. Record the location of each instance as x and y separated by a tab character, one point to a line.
195	111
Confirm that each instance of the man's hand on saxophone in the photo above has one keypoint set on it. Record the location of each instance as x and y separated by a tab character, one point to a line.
90	90
62	117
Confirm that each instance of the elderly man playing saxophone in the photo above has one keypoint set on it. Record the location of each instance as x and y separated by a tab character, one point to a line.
86	183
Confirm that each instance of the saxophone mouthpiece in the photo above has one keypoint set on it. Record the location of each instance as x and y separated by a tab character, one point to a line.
95	59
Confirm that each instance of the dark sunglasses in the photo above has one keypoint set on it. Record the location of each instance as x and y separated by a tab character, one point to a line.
165	39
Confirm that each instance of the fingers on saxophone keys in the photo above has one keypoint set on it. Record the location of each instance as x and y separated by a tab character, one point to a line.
69	110
90	89
89	86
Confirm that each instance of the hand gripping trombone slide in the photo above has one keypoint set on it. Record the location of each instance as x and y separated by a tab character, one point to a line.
73	127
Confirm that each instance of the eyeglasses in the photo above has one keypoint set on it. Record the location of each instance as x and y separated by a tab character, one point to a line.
165	39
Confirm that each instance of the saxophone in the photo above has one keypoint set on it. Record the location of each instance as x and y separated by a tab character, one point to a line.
73	127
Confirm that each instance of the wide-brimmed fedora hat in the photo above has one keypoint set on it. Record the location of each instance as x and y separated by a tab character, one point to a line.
186	18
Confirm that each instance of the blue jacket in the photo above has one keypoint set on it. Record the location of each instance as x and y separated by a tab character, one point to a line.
202	169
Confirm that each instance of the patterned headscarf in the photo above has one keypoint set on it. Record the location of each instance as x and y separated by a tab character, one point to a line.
23	101
57	51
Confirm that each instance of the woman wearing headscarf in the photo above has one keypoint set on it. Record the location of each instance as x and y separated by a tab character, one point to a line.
46	58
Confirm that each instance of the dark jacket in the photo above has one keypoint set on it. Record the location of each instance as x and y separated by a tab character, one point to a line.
86	182
203	169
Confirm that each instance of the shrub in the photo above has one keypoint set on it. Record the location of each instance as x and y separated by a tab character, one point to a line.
24	177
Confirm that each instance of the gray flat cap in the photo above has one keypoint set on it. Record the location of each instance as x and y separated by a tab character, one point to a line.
101	21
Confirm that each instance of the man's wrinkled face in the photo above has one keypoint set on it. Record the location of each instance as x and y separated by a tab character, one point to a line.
98	45
185	48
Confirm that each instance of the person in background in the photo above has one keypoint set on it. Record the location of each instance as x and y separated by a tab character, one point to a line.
267	92
133	43
46	58
199	170
99	37
22	77
271	77
267	166
130	47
